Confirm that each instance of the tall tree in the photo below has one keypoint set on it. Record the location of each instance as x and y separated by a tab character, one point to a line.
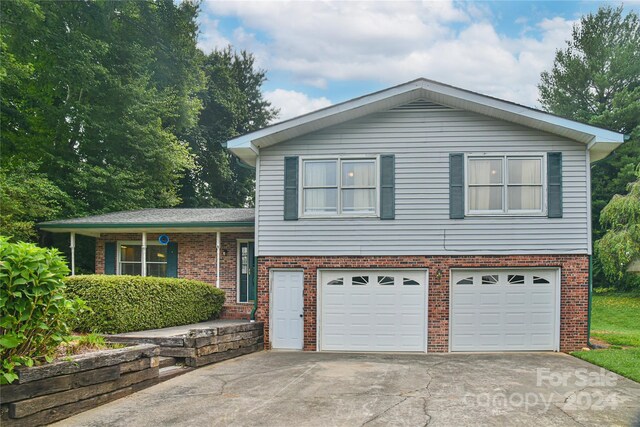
95	95
620	246
233	105
596	79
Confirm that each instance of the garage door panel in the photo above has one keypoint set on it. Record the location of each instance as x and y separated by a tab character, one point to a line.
516	298
512	313
385	314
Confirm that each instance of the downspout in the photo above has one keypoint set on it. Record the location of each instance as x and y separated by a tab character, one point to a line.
589	304
254	279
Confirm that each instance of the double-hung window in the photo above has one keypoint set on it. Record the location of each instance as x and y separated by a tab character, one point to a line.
505	184
130	259
346	187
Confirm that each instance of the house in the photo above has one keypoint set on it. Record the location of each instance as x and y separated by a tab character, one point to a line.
423	217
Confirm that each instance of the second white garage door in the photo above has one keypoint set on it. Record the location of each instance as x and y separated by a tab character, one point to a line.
504	310
373	310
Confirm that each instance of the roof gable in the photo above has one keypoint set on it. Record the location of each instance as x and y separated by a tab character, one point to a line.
600	142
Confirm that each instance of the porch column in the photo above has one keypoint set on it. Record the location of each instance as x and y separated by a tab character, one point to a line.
217	259
143	270
72	245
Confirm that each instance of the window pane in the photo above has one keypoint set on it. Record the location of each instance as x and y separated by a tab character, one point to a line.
157	270
156	253
320	200
525	171
358	174
320	173
359	200
130	252
525	198
485	171
485	198
244	259
132	269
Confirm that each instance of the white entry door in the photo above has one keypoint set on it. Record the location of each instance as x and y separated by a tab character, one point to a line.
504	310
373	310
287	310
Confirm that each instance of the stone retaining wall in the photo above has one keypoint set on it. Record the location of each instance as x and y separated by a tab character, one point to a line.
201	347
48	393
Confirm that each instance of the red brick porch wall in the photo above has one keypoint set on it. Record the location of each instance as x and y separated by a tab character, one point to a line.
574	289
197	260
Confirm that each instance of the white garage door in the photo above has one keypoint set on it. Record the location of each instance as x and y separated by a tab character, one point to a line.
373	310
504	310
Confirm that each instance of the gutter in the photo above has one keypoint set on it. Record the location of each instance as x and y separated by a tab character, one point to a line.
243	164
220	224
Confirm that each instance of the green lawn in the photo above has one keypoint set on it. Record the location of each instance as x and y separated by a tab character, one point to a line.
616	321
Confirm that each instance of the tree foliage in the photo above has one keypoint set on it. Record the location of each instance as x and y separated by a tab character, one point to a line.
27	196
233	105
596	79
621	243
111	106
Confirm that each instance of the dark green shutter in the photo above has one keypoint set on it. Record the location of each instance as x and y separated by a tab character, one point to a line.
291	188
554	185
456	186
172	259
109	257
387	186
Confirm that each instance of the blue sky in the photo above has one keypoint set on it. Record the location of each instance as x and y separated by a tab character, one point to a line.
321	53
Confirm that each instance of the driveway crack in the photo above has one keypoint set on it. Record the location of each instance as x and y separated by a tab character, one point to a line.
383	412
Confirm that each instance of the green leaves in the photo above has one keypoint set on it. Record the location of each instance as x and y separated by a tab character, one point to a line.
9	341
33	309
232	105
596	79
94	98
131	303
620	245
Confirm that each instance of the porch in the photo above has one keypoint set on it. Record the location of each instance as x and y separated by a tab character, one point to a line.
215	246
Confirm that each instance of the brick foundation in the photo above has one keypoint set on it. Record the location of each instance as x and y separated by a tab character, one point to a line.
574	289
197	260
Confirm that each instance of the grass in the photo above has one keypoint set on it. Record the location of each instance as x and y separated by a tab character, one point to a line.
615	321
80	344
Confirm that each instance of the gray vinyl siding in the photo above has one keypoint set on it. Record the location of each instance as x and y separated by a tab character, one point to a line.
421	136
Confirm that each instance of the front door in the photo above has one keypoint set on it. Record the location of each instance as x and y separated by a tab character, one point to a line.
287	310
246	291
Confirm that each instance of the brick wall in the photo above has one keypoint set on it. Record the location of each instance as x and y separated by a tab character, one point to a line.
197	260
574	289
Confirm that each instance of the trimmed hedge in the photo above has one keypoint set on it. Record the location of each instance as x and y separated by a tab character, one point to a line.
135	303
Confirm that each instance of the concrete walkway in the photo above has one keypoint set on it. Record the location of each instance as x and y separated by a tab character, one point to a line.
180	330
330	389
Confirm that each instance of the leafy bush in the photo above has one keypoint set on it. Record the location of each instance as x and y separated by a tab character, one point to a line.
33	307
134	303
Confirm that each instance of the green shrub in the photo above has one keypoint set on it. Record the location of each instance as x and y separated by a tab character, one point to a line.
134	303
33	307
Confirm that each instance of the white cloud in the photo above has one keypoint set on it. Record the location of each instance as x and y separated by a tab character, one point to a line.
391	42
292	103
209	37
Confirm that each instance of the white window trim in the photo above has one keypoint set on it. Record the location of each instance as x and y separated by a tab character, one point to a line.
339	214
505	156
239	242
133	242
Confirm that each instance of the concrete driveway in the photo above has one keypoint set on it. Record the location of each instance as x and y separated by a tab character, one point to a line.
331	389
